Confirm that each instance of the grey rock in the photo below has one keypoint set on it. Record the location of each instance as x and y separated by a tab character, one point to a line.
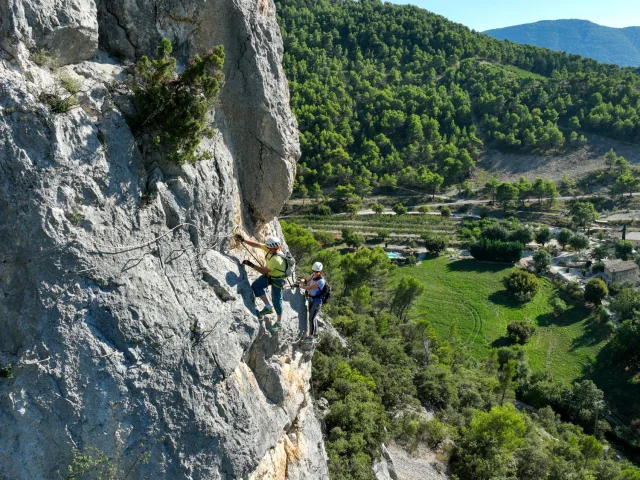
124	310
397	464
67	30
261	131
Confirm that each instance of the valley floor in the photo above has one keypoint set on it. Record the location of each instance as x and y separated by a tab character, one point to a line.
470	295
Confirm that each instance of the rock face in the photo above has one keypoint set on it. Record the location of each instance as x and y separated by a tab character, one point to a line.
124	311
68	29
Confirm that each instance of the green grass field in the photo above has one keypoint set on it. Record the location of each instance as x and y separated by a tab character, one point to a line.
471	294
572	345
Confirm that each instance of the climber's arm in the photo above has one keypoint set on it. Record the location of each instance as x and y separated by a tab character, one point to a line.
257	268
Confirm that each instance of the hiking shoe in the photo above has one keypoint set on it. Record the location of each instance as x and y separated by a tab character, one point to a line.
307	340
275	327
265	311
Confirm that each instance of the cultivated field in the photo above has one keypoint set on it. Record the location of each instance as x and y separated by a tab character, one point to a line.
572	345
470	293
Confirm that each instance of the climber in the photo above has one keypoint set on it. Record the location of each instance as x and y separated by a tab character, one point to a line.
314	285
273	274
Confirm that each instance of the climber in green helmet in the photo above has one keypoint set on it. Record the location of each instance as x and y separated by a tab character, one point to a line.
273	273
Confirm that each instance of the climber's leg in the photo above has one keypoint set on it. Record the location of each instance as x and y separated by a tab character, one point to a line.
259	286
276	295
314	310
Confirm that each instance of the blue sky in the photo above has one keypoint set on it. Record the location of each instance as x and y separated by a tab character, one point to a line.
504	13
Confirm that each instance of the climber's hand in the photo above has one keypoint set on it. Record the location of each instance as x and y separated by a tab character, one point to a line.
248	263
239	238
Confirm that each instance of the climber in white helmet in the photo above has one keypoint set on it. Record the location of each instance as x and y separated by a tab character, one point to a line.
314	284
273	273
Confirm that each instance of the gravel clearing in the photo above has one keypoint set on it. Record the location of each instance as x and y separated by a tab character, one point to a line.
575	163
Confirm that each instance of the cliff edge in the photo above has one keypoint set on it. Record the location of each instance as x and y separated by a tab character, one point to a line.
125	315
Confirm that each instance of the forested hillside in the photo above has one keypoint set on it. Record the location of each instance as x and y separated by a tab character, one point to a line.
620	46
390	95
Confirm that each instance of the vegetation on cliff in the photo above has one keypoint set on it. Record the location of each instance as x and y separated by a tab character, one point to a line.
396	363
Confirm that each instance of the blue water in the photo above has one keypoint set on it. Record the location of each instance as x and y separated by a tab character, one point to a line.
394	255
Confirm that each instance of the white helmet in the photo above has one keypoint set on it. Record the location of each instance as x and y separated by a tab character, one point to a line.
317	267
273	242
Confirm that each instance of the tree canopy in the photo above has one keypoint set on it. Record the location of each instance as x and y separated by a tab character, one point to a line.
394	95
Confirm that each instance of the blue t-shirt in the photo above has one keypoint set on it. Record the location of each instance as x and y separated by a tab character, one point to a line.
319	285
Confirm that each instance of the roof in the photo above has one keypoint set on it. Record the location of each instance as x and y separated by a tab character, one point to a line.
615	267
632	236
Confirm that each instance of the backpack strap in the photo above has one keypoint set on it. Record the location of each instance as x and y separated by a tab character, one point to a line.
269	256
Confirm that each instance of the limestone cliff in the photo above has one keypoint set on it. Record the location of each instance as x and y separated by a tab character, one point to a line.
123	309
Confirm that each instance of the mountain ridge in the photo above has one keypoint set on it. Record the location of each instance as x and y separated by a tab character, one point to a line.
620	46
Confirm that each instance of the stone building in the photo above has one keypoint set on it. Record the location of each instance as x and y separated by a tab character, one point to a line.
634	238
619	271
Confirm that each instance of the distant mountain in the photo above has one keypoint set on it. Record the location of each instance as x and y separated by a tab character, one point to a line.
619	46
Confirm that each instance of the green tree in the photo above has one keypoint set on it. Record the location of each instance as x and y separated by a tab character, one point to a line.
378	208
302	192
583	214
404	295
543	236
445	212
400	209
520	331
595	291
538	189
506	193
582	401
351	238
610	158
591	449
325	239
486	447
579	241
567	185
624	344
523	234
505	377
521	284
173	109
550	191
524	189
491	188
299	240
627	183
496	232
564	237
366	266
625	303
344	191
542	261
600	252
623	249
435	244
574	123
316	191
383	235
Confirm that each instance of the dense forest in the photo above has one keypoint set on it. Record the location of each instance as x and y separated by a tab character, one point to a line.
389	95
